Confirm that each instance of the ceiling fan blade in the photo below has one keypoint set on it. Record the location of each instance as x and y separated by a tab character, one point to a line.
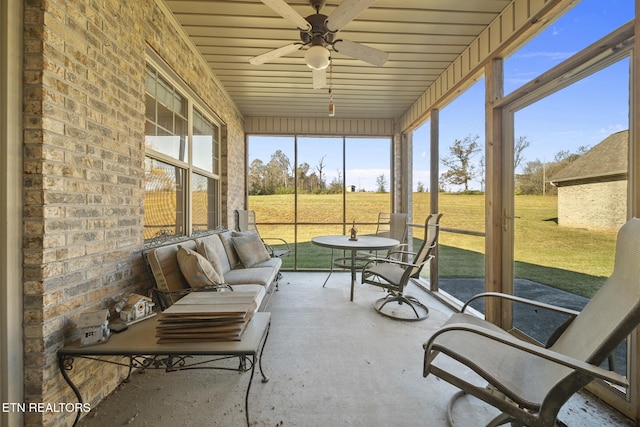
361	52
287	12
319	78
345	13
274	54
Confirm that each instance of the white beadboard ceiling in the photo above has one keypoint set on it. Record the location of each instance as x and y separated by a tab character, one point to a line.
422	38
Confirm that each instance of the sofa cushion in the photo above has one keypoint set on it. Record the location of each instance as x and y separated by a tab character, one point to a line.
232	255
257	275
211	248
250	248
196	269
274	263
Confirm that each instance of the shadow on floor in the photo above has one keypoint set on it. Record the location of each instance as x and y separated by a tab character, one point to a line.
331	362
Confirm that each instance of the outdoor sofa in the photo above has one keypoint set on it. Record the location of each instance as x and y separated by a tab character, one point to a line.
239	261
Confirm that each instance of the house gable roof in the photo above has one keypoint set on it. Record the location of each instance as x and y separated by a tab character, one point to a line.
608	159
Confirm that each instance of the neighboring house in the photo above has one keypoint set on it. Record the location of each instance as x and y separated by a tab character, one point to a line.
592	191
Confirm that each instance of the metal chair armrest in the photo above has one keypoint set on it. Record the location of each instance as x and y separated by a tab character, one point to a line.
557	309
393	261
282	241
401	253
593	371
270	247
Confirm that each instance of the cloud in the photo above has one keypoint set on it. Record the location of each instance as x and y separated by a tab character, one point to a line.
554	55
606	131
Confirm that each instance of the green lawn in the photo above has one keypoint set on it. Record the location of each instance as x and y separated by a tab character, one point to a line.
572	259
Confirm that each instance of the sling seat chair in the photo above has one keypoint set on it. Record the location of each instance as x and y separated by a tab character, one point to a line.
391	225
277	247
529	383
393	274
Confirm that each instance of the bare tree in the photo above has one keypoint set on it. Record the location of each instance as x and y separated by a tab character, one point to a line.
336	184
481	173
535	175
381	184
320	167
519	146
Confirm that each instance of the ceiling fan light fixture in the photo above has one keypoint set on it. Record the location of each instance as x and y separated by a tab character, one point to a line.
317	57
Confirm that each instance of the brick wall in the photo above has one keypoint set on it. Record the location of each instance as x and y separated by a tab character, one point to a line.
594	206
84	65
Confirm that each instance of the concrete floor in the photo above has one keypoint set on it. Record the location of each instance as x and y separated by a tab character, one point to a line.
331	362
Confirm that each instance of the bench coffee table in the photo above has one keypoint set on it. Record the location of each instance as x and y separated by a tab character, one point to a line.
138	345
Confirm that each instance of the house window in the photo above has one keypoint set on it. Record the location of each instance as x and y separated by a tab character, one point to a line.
182	162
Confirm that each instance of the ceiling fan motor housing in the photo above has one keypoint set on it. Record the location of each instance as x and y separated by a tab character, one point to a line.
319	34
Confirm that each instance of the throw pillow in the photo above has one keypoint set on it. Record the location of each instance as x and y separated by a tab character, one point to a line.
196	269
232	255
250	248
213	250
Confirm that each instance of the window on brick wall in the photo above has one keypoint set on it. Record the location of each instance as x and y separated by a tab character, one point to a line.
182	147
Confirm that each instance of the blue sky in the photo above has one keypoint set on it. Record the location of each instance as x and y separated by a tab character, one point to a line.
580	115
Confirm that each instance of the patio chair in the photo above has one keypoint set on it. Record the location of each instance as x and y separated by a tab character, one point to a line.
277	247
393	274
529	383
392	225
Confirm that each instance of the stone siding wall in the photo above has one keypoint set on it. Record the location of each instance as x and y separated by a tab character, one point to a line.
84	70
594	206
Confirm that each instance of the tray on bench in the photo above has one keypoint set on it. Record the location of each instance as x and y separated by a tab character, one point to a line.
207	316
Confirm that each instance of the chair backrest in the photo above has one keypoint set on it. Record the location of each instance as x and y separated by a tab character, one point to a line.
392	225
384	224
614	311
246	220
431	230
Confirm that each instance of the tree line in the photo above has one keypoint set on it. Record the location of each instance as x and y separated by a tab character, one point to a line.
462	168
279	176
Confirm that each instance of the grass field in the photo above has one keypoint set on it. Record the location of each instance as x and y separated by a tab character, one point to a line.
572	259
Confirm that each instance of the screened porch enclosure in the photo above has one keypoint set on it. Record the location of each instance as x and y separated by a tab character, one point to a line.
301	187
539	255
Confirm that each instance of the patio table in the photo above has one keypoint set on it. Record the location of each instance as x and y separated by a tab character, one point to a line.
364	243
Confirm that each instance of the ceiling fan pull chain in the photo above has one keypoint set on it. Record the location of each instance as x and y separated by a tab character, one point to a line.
332	107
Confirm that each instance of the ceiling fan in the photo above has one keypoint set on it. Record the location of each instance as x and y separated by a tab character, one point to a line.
317	35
